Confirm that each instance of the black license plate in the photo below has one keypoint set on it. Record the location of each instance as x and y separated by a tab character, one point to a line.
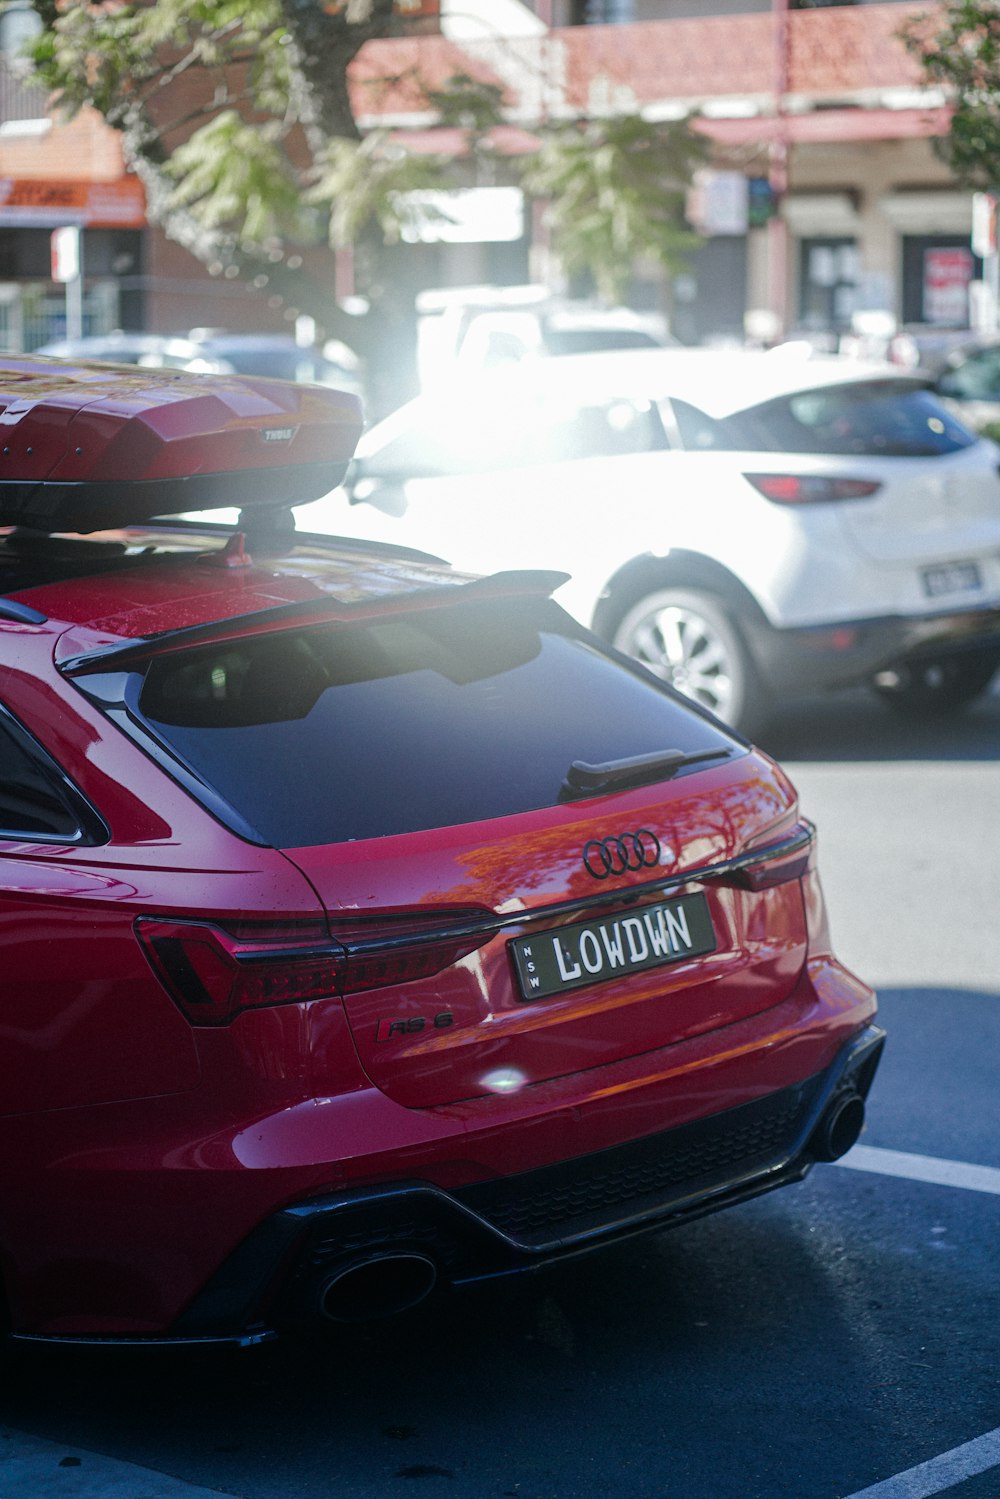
591	952
951	577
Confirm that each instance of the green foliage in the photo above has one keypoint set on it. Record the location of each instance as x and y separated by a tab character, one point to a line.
237	177
365	183
236	115
109	57
468	103
959	49
616	190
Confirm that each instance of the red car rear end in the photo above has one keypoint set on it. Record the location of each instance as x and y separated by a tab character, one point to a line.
369	928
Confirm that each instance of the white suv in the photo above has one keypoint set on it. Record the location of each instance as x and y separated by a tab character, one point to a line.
746	524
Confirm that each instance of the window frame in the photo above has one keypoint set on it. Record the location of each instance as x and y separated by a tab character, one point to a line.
91	829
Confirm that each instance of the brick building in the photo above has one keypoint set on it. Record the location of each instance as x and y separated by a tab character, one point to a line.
822	104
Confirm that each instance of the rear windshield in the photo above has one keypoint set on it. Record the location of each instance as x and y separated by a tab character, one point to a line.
873	418
409	721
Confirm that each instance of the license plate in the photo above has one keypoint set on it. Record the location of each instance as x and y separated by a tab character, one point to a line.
951	577
591	952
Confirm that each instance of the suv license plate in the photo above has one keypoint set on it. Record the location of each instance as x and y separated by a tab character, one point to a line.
951	577
590	952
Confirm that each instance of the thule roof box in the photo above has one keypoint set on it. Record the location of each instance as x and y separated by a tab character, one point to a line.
86	447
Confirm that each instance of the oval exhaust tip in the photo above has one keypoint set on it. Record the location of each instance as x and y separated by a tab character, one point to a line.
840	1127
379	1286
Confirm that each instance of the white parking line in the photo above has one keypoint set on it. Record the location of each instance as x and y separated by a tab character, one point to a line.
922	1168
31	1468
983	1453
940	1473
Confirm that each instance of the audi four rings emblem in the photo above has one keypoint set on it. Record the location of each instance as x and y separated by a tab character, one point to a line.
604	856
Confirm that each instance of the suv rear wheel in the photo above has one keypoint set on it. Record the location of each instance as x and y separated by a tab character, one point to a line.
686	638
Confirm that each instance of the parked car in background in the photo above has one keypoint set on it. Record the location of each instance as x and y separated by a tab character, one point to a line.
347	950
969	381
746	525
961	365
150	350
215	351
926	347
279	357
474	328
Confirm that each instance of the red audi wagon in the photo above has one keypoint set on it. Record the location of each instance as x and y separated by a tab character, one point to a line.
366	926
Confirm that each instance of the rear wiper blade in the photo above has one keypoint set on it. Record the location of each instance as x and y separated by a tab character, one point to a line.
583	779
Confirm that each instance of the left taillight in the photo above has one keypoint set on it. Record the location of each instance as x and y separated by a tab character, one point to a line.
213	974
811	489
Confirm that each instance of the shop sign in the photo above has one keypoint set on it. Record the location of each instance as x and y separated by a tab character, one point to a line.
718	202
27	202
947	274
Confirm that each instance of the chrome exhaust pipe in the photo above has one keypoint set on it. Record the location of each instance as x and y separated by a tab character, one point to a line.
839	1127
378	1286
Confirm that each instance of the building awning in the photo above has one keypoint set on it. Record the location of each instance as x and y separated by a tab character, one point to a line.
836	126
451	141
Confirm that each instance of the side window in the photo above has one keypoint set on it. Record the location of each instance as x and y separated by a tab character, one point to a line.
34	801
539	428
598	429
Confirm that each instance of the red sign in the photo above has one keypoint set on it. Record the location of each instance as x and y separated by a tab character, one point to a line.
947	274
120	204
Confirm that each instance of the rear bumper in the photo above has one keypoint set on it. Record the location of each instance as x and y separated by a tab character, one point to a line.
853	651
168	1223
281	1275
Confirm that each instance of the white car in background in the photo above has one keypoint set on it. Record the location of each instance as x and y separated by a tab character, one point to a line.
748	525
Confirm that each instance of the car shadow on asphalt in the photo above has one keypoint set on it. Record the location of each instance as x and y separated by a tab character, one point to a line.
539	1385
855	726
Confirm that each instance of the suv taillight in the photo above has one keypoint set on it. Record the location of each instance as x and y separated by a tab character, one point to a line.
212	974
810	489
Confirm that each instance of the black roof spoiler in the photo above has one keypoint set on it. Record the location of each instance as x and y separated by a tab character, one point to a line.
508	584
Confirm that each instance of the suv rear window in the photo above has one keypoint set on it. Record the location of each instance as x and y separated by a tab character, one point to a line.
408	721
872	418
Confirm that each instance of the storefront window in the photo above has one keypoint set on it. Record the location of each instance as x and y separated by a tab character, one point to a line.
937	271
828	278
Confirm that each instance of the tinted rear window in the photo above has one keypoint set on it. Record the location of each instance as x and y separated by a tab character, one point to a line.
405	722
875	418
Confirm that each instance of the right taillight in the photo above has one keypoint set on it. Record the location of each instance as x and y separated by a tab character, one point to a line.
810	489
781	862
